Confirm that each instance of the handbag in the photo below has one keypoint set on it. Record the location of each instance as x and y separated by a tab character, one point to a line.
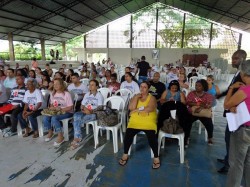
107	116
48	112
206	113
171	126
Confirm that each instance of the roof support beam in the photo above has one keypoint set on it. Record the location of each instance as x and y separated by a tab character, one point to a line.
66	6
125	6
239	18
34	31
110	8
218	11
105	11
4	2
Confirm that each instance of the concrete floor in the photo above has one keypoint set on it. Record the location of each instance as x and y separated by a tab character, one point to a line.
28	162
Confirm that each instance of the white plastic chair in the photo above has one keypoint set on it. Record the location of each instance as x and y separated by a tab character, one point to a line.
45	94
106	92
192	82
116	103
85	81
180	137
126	95
65	122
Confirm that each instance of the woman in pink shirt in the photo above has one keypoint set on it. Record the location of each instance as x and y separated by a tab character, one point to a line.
60	99
239	155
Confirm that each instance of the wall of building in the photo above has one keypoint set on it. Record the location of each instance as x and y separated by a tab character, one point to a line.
124	55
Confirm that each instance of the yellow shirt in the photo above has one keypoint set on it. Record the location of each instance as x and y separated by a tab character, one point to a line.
143	120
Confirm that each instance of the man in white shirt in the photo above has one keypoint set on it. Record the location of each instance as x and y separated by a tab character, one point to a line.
10	81
172	75
77	87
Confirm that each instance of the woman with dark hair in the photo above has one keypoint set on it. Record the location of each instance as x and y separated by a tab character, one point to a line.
84	73
45	81
183	81
69	74
113	85
91	101
32	74
212	88
130	84
21	72
2	75
105	80
143	114
192	74
198	100
173	93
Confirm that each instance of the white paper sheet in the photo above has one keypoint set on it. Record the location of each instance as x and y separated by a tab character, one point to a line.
235	120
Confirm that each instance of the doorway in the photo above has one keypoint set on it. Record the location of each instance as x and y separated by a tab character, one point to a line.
194	60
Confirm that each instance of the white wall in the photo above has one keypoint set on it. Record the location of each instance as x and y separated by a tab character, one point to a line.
124	55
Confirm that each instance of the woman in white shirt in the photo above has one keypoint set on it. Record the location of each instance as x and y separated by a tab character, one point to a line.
130	84
91	101
33	100
60	99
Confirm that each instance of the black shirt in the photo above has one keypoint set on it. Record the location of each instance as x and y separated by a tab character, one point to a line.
143	66
191	75
156	89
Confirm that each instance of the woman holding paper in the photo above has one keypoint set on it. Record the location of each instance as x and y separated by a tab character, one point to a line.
239	155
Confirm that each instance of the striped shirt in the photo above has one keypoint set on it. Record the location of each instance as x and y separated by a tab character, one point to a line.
17	96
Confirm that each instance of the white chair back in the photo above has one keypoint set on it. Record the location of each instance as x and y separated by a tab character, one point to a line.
116	102
192	82
74	97
124	92
85	81
105	92
173	114
46	96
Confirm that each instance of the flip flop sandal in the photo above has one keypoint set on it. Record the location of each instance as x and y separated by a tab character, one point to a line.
75	145
156	165
124	162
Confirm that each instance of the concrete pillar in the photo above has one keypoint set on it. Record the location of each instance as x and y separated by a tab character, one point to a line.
11	47
42	41
64	50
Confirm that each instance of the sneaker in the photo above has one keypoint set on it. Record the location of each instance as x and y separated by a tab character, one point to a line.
8	134
6	130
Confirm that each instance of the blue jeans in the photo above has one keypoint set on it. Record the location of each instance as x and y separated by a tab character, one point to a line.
54	121
31	118
79	119
141	79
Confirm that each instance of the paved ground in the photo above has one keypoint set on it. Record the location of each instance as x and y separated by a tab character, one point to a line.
28	162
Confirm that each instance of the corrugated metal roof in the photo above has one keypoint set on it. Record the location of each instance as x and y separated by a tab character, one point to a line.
60	20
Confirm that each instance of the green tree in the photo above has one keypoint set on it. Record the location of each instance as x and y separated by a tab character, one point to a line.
170	27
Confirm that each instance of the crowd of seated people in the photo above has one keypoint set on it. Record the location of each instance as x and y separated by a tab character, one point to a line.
25	95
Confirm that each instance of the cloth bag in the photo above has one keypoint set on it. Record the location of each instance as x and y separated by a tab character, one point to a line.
171	126
207	113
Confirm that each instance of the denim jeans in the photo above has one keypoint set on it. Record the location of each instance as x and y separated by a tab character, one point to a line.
239	158
54	121
32	119
141	79
79	119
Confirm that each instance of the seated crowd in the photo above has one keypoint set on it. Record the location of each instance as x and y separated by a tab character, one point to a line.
23	89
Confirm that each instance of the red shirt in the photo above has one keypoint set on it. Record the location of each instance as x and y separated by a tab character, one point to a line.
206	98
246	90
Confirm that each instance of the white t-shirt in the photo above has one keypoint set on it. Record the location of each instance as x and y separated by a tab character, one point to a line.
32	99
171	76
133	86
92	101
62	100
3	96
80	90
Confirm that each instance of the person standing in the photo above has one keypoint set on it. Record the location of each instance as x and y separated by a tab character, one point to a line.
52	54
57	55
143	67
239	156
238	57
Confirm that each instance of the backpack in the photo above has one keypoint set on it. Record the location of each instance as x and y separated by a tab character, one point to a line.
107	117
171	126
